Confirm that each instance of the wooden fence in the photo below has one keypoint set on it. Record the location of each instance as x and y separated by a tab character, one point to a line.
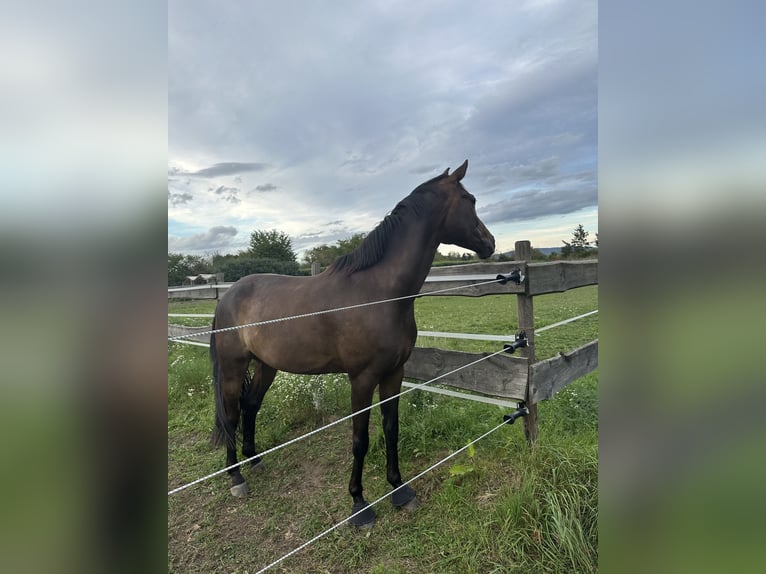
511	377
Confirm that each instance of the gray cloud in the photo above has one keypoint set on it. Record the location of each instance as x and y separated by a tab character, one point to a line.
176	198
333	231
419	170
228	168
537	203
227	193
538	170
407	102
509	175
219	169
511	87
580	178
265	187
219	237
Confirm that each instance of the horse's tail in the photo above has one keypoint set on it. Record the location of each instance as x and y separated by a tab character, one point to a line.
221	432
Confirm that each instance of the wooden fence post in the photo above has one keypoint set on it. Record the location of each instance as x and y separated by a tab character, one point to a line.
523	252
218	279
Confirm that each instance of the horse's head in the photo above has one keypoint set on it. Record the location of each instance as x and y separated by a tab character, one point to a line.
461	224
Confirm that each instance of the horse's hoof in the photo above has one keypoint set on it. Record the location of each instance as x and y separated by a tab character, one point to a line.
257	466
365	518
239	490
404	498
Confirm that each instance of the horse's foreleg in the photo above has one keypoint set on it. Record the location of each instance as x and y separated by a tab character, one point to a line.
361	397
404	497
263	376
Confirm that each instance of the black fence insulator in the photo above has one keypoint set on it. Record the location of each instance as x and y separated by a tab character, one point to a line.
520	341
522	411
514	276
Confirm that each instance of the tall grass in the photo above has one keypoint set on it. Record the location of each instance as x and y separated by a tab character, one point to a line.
518	509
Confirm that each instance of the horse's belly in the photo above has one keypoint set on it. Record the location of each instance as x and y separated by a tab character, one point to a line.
317	354
307	366
296	355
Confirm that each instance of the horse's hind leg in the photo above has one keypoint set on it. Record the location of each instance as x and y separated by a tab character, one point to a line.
233	372
263	376
362	388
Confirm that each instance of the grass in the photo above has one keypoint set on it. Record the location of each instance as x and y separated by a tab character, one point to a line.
517	510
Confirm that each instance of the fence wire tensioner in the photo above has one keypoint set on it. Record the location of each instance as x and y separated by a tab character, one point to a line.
521	411
520	340
514	276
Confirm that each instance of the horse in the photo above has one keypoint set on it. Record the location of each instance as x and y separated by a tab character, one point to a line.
369	343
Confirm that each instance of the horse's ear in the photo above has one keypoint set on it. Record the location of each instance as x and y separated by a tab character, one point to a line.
459	173
446	172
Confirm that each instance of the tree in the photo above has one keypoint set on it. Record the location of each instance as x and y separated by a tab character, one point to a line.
271	244
579	245
326	255
180	265
346	246
322	254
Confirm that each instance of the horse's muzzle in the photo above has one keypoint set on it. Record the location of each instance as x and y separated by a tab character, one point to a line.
487	241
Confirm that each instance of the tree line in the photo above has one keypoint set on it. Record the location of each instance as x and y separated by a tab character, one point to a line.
268	252
272	252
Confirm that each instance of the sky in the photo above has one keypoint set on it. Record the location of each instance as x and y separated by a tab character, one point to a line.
316	118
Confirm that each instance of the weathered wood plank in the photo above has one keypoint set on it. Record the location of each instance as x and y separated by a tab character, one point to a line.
474	269
541	278
506	404
469	290
548	377
558	276
501	376
488	270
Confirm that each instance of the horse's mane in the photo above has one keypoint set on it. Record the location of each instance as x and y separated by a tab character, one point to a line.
374	245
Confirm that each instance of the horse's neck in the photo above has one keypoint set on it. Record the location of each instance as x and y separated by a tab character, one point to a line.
408	260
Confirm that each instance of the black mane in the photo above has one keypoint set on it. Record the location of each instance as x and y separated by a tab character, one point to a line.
374	246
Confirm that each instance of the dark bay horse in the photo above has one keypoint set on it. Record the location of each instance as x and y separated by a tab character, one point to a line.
370	343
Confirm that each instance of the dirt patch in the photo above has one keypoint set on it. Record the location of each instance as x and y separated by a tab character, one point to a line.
299	494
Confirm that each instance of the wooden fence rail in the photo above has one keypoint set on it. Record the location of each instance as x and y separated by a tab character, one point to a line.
500	376
541	278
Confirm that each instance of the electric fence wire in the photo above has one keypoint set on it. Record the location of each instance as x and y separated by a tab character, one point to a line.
325	427
339	524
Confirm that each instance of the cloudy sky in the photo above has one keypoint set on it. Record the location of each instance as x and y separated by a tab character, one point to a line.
316	118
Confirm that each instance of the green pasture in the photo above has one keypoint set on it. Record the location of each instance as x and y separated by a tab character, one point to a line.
499	507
